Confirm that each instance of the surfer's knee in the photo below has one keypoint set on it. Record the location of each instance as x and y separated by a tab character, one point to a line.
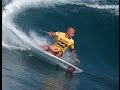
45	48
59	54
51	48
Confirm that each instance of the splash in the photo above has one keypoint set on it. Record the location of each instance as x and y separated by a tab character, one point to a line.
12	35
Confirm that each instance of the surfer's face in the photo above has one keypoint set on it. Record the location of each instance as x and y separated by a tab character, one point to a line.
70	32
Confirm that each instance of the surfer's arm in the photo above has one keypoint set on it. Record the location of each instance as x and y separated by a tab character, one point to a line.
73	51
74	55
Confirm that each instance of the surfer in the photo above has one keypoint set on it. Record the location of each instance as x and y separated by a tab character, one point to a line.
62	42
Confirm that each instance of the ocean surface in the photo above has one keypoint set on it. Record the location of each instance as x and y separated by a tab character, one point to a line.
26	23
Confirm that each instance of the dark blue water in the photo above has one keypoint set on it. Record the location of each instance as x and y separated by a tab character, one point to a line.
96	44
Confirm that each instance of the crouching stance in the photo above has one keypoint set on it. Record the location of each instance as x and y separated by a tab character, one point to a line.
62	42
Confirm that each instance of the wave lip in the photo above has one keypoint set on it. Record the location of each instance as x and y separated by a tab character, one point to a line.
22	4
15	6
112	8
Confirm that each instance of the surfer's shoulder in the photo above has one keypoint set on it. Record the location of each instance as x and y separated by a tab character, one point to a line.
60	33
72	41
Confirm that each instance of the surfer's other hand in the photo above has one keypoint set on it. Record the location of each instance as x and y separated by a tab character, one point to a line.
77	60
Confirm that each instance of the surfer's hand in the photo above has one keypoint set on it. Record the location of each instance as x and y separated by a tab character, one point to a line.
77	60
50	34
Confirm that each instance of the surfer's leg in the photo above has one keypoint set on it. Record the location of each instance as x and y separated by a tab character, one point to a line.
54	51
51	49
59	54
45	48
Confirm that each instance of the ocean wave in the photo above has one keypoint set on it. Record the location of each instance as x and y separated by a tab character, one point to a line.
112	8
22	4
12	47
13	36
16	6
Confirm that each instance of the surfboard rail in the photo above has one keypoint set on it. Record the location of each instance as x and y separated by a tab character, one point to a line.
55	60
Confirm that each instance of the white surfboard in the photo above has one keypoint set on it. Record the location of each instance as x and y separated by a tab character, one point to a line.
49	58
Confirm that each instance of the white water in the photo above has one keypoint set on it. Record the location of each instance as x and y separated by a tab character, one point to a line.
16	6
13	37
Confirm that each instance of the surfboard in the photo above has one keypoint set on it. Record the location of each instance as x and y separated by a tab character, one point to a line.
49	58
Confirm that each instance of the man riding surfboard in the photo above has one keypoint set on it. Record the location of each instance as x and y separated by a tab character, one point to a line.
62	42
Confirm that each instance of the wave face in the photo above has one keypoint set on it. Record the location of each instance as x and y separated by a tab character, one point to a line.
25	24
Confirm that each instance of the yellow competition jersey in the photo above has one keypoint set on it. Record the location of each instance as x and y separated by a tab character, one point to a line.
63	42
